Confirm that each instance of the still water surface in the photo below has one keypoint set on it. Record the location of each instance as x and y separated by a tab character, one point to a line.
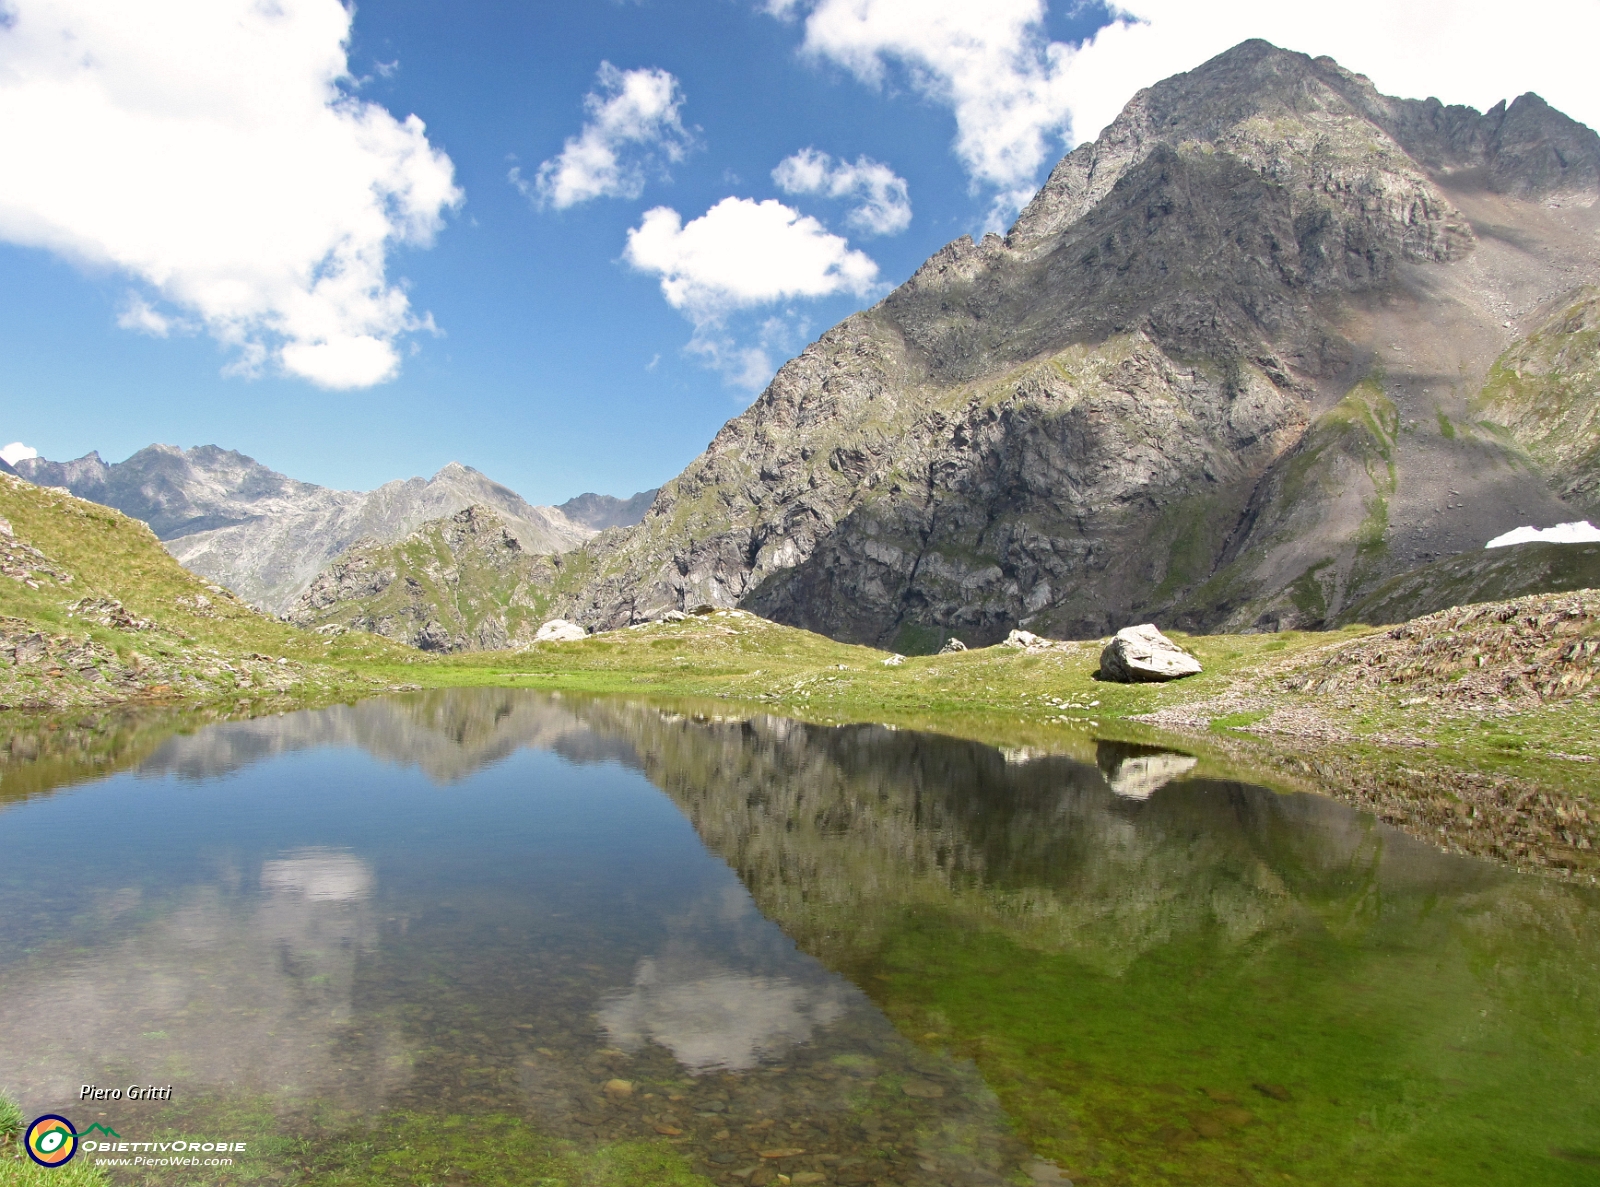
842	955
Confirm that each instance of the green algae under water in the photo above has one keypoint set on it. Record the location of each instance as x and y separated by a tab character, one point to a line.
1004	967
1308	1058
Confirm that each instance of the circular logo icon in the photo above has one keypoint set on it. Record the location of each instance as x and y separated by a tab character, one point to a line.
51	1140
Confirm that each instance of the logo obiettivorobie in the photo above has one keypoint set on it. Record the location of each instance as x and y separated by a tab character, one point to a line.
51	1140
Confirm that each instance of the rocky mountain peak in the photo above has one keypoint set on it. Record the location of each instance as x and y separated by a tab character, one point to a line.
1221	370
458	583
1304	120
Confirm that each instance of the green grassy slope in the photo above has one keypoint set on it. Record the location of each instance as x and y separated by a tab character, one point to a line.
94	610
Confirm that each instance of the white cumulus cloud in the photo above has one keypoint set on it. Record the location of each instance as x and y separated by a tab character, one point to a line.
1014	92
883	206
207	148
633	121
18	452
737	256
992	64
743	253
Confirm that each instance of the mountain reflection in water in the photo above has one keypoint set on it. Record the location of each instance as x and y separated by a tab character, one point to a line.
1162	978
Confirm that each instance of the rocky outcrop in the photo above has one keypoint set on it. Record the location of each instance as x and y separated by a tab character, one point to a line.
1518	654
1143	655
24	563
1220	373
464	583
265	535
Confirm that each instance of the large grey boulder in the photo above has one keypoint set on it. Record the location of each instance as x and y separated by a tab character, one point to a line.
1142	654
559	630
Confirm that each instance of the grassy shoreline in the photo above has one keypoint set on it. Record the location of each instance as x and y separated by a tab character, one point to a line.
1476	730
1440	776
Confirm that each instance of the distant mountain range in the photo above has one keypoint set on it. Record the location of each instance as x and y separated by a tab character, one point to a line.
1271	341
606	511
267	536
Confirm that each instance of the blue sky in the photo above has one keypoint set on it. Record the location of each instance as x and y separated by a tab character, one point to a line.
201	261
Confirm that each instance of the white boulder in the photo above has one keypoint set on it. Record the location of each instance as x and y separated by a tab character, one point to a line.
1141	654
559	630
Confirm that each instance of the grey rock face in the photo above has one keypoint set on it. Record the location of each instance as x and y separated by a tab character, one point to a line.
265	535
1143	655
1219	372
607	511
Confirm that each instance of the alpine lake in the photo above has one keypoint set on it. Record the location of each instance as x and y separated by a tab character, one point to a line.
496	936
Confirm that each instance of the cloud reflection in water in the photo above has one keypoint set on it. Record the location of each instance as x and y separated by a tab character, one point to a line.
715	1019
215	988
